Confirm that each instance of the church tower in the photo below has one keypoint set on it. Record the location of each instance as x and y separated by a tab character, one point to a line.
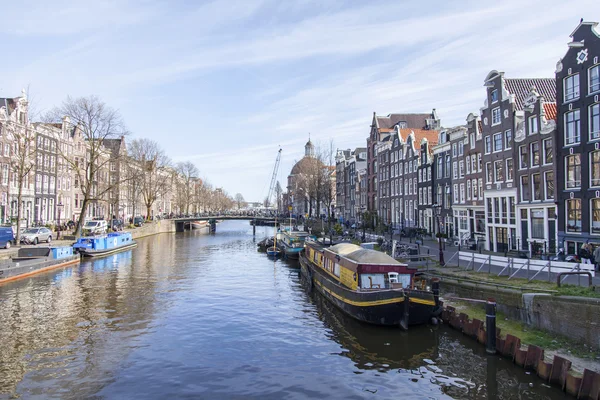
309	148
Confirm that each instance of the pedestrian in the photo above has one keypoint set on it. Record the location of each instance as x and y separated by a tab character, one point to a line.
597	257
584	254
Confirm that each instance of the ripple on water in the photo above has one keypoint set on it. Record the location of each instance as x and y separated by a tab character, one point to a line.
207	316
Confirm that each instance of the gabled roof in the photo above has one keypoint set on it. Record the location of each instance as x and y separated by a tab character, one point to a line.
417	121
522	87
550	111
420	134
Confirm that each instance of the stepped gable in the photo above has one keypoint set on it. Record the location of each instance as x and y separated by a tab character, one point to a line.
521	88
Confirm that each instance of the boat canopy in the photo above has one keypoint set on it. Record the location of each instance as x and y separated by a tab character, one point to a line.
343	248
366	256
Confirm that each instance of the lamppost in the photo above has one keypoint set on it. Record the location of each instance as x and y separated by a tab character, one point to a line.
437	209
362	221
59	207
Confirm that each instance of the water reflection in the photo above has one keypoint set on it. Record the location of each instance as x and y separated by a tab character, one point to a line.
208	316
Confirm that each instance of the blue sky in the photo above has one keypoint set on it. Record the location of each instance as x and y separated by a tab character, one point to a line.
224	83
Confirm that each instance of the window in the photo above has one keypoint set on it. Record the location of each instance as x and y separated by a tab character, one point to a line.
525	193
494	95
454	170
594	78
549	184
595	168
461	169
468	189
572	133
497	142
508	139
473	163
595	121
571	87
537	224
548	152
573	215
488	172
537	186
462	192
488	145
480	186
472	140
455	192
535	154
499	168
479	162
595	216
523	157
533	124
509	169
468	165
475	191
447	174
440	167
496	116
454	150
573	164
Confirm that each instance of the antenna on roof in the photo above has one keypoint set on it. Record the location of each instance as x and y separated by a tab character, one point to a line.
581	20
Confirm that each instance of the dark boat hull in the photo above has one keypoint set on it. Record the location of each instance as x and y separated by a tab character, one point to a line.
26	268
105	252
386	307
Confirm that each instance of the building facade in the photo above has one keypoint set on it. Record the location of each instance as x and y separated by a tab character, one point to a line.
578	120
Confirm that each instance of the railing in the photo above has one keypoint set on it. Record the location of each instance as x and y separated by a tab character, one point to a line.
482	262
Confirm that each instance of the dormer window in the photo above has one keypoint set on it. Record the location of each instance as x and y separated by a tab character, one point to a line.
494	95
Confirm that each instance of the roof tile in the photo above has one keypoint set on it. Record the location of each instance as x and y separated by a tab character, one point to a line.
522	87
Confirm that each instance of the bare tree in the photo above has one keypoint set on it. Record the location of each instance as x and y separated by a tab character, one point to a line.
188	174
97	123
153	163
22	134
239	200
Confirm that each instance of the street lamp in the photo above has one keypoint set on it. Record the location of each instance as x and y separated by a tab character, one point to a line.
437	209
59	206
362	221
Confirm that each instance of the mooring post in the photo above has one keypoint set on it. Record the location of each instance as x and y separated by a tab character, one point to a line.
254	228
490	326
435	288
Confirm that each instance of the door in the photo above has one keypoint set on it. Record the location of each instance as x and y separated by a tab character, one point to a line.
501	240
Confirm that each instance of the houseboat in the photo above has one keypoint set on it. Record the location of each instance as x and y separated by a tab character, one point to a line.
291	243
34	260
94	246
369	285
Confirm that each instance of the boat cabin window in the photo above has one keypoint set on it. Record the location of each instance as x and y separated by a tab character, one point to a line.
336	269
372	281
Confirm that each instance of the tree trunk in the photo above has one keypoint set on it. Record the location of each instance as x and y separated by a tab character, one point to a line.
19	211
81	218
148	207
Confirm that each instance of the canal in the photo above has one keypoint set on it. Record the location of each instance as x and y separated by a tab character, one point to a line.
198	316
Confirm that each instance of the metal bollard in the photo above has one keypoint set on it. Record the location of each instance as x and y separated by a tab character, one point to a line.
435	288
490	326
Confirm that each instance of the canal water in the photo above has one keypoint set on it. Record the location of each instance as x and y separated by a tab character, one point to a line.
207	316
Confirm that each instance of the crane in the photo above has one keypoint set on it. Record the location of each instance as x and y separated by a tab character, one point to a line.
274	178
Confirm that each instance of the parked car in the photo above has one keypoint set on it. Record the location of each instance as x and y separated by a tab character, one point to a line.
7	236
138	221
116	224
96	227
36	235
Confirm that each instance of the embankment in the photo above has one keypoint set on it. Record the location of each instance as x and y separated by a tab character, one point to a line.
577	318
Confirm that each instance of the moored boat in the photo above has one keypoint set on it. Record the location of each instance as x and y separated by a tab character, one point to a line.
34	260
199	224
369	285
292	243
94	246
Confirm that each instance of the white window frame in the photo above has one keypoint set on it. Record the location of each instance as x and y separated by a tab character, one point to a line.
594	135
533	124
487	140
507	169
495	140
546	185
575	92
496	113
576	139
590	88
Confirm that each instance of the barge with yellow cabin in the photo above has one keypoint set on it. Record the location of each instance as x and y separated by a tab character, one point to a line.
369	285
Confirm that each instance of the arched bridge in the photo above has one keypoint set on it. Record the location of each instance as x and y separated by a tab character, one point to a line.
182	223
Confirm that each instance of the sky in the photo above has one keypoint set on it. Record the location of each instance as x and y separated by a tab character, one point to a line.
225	83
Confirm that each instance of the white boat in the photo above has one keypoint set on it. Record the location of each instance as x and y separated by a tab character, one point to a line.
199	224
